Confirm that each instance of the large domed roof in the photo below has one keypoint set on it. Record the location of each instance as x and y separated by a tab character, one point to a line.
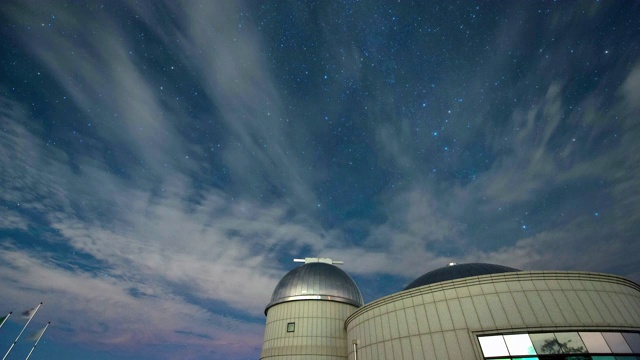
458	271
316	281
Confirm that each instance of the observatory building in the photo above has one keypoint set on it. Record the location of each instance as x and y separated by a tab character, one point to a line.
306	315
460	311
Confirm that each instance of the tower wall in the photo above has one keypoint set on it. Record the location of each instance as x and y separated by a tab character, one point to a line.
319	330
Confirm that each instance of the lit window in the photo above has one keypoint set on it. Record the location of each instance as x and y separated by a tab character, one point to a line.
291	327
562	346
519	344
493	346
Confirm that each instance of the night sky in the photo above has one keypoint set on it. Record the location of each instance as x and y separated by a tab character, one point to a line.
162	163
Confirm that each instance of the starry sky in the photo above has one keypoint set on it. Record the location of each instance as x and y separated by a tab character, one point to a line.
162	162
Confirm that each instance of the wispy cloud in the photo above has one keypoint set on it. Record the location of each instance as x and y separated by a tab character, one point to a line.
127	205
91	59
99	309
222	45
161	223
149	255
552	188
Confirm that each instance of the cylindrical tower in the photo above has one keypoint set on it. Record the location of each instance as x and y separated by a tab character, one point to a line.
306	315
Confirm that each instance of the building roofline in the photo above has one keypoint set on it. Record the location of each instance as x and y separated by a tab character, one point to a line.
494	278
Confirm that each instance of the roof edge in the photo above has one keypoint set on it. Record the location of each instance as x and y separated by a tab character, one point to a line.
493	278
313	297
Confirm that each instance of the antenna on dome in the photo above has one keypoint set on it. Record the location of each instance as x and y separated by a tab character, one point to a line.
321	260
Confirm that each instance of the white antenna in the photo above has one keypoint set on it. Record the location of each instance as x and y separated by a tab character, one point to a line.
321	260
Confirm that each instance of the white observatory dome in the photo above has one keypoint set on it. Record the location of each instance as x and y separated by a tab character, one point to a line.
316	281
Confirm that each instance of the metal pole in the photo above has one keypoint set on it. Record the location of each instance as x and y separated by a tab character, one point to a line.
36	344
25	326
5	318
355	350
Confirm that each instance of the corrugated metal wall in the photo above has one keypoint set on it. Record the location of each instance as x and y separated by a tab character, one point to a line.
319	330
442	321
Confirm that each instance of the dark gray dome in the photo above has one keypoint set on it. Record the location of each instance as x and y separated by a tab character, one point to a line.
458	271
316	281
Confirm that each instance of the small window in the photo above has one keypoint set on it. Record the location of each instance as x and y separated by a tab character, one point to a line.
633	339
520	344
595	342
291	327
570	343
493	346
546	343
616	343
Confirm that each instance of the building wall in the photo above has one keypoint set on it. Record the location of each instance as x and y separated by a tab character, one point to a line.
319	330
443	320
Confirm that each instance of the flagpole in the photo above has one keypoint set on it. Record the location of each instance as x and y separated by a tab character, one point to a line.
25	326
36	344
5	318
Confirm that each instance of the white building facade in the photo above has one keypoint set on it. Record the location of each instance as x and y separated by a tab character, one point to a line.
473	311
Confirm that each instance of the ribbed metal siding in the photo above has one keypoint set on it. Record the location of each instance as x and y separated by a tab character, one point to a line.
442	321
